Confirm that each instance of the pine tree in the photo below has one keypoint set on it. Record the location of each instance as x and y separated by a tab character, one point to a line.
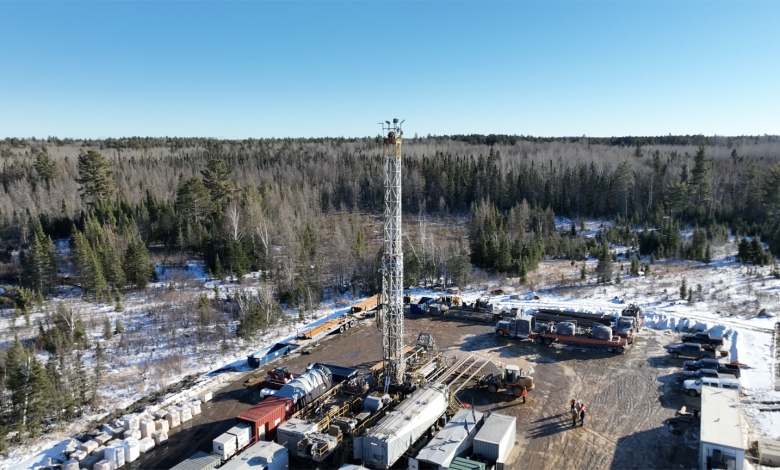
604	268
88	268
119	329
690	295
107	331
45	166
95	177
638	153
634	271
118	299
30	388
216	178
683	289
136	265
617	279
40	263
708	254
583	272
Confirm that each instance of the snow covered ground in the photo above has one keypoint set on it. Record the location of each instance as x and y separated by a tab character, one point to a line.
728	300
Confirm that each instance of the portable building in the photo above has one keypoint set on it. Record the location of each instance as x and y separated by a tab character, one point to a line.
385	443
199	461
721	444
266	416
263	455
454	440
495	440
421	306
224	446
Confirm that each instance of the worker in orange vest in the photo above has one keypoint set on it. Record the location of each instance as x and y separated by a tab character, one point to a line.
582	415
525	392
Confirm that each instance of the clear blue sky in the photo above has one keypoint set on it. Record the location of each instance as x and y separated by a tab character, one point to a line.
297	69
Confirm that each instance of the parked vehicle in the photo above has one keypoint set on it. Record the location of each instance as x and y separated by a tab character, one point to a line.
731	369
693	350
697	374
703	338
693	387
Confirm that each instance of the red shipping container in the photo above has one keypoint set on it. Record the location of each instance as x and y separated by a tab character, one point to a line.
266	416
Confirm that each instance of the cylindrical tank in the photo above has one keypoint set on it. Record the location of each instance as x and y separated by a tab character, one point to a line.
566	328
307	387
602	332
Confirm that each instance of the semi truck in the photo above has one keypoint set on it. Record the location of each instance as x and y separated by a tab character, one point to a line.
563	332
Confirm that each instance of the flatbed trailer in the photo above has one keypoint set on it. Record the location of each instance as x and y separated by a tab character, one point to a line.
588	320
339	324
525	328
617	344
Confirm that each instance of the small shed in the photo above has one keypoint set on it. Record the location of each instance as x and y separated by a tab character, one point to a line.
199	461
496	439
721	442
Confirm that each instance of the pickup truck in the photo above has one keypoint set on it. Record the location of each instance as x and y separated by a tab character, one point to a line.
722	368
703	338
697	374
693	350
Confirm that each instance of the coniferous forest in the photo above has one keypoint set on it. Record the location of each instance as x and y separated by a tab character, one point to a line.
306	215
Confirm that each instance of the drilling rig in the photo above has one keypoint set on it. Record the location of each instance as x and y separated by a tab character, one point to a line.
391	317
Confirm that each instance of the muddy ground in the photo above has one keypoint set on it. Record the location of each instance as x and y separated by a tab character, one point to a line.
629	397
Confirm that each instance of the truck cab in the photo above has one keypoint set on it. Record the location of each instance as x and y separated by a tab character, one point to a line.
521	327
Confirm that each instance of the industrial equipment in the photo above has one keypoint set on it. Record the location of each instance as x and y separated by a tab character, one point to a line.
511	379
391	319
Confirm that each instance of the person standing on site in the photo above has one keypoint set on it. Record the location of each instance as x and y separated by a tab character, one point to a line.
525	392
582	415
573	404
573	417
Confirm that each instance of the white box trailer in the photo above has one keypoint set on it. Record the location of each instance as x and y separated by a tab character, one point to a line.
454	440
224	446
243	434
494	442
263	455
385	443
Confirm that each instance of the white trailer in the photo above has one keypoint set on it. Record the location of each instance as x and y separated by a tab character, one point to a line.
385	443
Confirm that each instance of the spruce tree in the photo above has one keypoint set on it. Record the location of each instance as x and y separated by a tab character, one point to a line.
108	333
604	268
119	329
45	166
708	254
683	289
88	268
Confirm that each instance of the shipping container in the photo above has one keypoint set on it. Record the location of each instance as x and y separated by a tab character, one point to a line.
199	461
262	455
496	439
266	416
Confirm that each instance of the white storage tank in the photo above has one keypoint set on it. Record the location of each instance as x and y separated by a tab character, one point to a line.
496	439
224	446
266	455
